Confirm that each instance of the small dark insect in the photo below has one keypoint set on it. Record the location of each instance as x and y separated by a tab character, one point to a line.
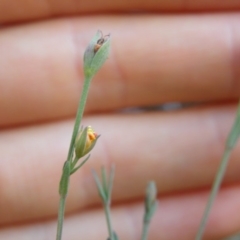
101	41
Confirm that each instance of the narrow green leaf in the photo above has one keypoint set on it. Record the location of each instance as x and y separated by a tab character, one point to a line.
104	181
63	186
80	165
110	183
99	186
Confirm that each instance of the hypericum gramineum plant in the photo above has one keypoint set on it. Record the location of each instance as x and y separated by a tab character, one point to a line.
84	140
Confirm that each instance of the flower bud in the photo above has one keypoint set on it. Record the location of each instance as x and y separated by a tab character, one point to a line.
150	201
151	195
96	54
85	141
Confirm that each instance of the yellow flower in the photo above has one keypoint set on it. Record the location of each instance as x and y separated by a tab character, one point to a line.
91	137
85	141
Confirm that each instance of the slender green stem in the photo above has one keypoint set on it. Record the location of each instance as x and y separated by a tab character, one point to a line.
79	115
214	191
78	120
61	210
93	61
108	218
145	230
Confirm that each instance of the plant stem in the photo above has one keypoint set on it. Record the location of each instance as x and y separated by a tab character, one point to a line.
60	216
78	120
108	218
215	188
145	230
79	115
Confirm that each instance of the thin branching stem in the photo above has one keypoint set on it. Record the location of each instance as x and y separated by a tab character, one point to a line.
79	116
61	210
215	188
92	62
108	219
78	120
230	143
145	230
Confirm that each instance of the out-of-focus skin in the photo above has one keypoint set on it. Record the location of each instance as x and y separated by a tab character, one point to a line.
162	51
